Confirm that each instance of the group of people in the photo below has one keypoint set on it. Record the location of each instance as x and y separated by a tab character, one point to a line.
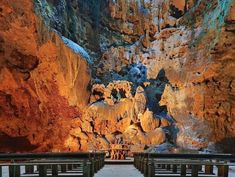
119	150
118	154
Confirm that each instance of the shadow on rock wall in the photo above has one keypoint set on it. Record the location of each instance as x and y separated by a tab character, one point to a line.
226	145
154	94
21	144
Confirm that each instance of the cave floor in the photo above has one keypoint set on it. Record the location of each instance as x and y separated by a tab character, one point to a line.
118	171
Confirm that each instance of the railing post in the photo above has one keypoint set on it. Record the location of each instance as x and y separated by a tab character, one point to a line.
14	171
42	170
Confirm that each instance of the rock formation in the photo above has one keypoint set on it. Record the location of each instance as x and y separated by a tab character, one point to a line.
79	75
43	82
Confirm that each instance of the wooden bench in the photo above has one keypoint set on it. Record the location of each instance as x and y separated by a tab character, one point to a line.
52	164
154	164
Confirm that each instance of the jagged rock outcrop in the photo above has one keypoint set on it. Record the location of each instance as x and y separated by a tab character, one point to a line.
115	113
160	71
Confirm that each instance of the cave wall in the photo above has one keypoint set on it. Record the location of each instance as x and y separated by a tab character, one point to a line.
43	87
161	71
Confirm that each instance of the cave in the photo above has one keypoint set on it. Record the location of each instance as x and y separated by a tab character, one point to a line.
159	72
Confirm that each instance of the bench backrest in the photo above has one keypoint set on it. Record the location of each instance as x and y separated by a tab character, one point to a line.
50	156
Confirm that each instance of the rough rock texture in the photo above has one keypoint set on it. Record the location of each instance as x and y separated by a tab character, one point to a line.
161	71
43	82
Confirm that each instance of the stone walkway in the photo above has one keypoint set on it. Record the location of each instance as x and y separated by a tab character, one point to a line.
118	171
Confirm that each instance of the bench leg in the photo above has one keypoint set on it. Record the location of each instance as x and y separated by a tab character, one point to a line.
0	171
92	167
223	171
63	168
96	166
29	169
168	167
183	171
208	169
49	167
151	170
145	167
142	168
14	171
194	170
70	167
42	170
174	169
54	170
199	167
86	169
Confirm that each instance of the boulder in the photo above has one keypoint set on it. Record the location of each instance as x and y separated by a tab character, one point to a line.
148	121
155	137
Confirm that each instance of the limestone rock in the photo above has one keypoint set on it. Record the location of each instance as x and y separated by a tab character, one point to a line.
71	144
148	121
172	58
133	134
44	81
140	100
75	132
154	137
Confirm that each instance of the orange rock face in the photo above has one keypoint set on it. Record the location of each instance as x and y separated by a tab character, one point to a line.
43	82
144	73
